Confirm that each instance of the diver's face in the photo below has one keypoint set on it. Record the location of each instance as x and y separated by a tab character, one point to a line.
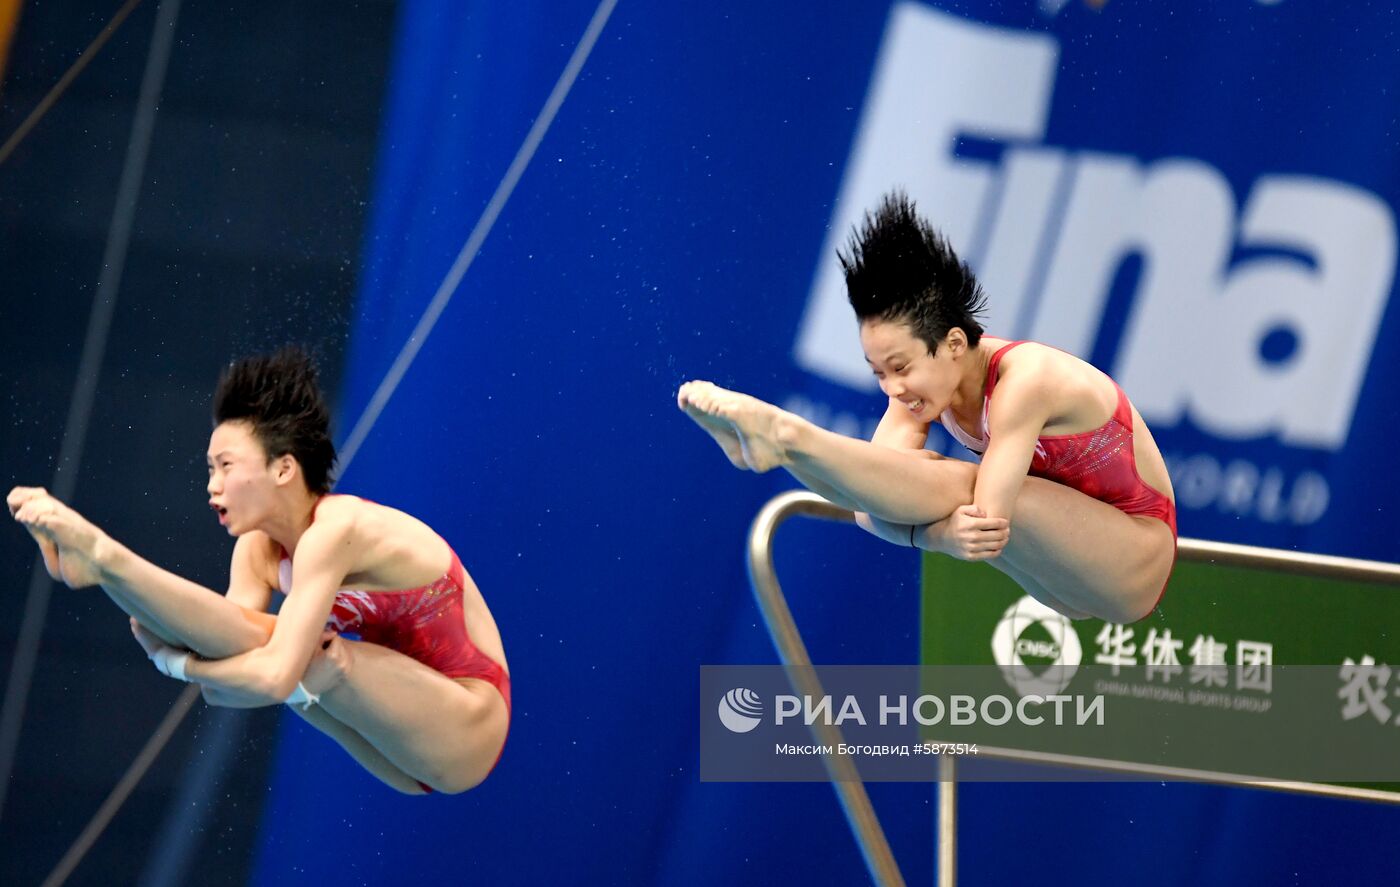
924	383
241	482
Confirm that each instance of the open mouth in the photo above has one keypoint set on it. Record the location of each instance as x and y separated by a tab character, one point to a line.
220	511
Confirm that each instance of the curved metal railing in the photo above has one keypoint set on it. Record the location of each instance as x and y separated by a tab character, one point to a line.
850	790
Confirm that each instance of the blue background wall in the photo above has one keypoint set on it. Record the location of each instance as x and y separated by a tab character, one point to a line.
671	227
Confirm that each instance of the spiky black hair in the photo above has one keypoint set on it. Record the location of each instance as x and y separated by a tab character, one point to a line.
280	396
898	268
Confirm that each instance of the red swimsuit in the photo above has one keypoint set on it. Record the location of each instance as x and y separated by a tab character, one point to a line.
425	623
1099	463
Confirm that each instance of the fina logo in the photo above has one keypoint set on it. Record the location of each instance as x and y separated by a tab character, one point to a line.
1047	227
740	710
1008	646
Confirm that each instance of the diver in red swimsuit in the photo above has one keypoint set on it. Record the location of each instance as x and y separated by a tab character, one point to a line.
421	699
1071	497
1097	463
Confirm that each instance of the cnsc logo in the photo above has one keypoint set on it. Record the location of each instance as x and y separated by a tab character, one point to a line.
1029	630
740	710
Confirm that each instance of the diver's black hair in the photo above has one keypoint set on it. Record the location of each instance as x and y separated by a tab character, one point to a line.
898	268
279	395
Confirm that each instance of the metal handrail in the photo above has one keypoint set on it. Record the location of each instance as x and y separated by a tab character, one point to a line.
846	779
850	790
1319	566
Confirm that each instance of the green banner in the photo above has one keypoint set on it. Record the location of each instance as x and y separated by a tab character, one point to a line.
1248	672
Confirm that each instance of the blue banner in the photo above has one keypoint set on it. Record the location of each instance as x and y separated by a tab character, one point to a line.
1200	201
1201	206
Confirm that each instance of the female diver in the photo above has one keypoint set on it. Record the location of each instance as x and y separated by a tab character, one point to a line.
422	700
1090	532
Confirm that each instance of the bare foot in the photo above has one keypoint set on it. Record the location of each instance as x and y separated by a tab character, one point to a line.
720	429
66	539
756	424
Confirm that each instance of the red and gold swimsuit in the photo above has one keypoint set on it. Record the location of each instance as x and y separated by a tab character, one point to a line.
426	623
1099	463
